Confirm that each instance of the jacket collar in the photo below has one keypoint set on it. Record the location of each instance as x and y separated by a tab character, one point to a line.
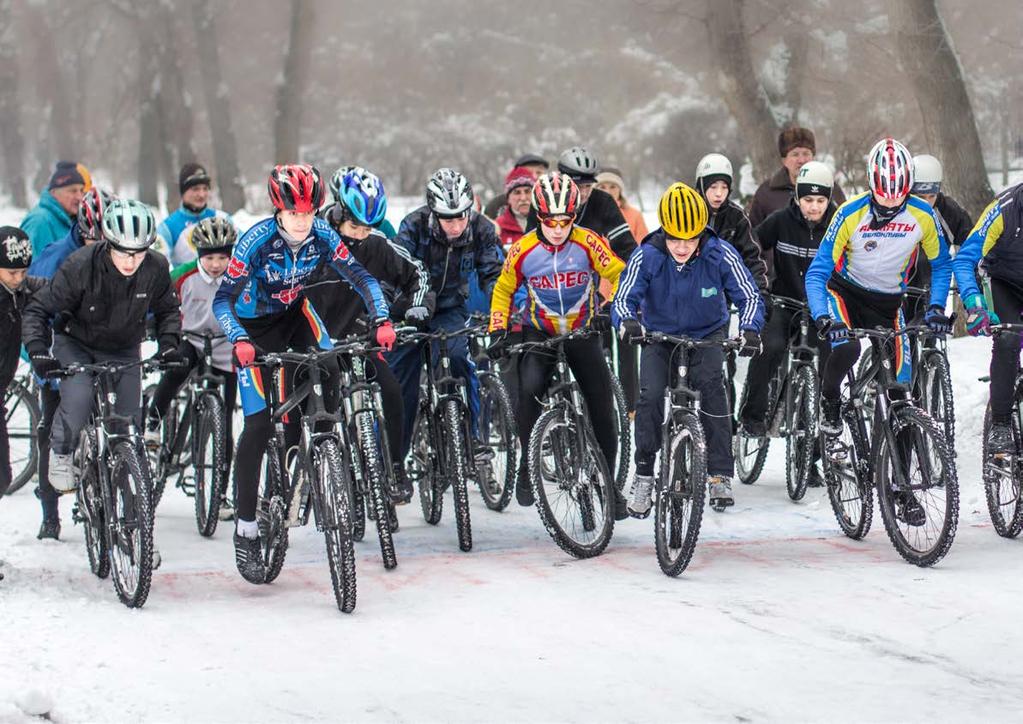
46	201
781	180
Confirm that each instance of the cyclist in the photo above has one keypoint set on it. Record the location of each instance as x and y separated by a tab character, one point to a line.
196	283
793	235
858	278
384	226
557	262
361	206
685	266
261	303
175	231
996	240
97	304
450	240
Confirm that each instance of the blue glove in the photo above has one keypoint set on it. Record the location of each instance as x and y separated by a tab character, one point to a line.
937	321
978	318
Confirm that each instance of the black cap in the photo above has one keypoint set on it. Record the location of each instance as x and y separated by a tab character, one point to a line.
530	159
192	174
15	248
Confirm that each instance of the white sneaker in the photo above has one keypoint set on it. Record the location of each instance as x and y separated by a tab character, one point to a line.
639	502
720	492
62	477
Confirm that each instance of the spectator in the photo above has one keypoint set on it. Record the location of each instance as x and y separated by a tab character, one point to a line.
174	235
57	210
610	180
534	163
511	222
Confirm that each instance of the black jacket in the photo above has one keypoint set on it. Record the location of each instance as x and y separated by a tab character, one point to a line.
404	281
602	215
93	303
731	224
12	305
956	224
794	243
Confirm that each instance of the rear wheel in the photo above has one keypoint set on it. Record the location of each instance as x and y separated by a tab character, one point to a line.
846	476
209	463
422	467
89	504
936	389
1002	477
622	430
681	490
21	410
131	532
496	477
802	433
751	452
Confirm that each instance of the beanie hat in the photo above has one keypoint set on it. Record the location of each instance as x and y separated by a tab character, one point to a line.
796	137
68	173
15	248
611	176
192	174
517	178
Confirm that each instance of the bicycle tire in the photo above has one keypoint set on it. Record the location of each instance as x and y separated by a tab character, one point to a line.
802	433
272	514
89	505
209	445
938	400
927	439
20	403
554	433
131	545
1002	488
750	453
850	490
422	468
455	452
622	430
336	523
681	493
497	429
369	427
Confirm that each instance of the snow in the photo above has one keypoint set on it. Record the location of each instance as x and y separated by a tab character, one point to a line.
779	617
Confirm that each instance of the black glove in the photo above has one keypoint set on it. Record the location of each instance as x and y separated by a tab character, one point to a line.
828	328
630	331
750	343
44	364
499	343
937	321
600	322
171	357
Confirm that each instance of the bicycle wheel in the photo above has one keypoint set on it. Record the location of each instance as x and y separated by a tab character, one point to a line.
209	463
272	514
422	467
681	490
21	410
751	452
622	430
335	509
370	427
935	488
844	461
131	532
937	399
802	432
456	468
89	504
1002	481
573	488
497	429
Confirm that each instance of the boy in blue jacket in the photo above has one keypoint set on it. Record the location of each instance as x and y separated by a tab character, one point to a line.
679	281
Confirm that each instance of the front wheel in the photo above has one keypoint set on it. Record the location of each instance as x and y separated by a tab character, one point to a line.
456	469
422	467
131	525
846	476
334	516
209	463
272	514
496	477
370	429
751	452
802	433
681	490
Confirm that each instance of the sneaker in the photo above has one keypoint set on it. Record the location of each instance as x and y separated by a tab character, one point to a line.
908	508
523	490
157	558
720	492
61	475
481	452
754	428
226	510
403	490
248	556
49	530
999	440
815	479
639	505
831	416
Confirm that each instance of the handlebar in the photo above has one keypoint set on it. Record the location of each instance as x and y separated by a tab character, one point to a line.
690	342
111	368
789	302
202	335
552	342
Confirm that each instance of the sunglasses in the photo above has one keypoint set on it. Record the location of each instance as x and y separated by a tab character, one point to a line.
557	222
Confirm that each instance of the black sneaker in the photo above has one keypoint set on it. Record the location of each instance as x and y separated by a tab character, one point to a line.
754	428
248	556
403	490
831	416
999	440
523	490
621	506
481	452
908	509
49	530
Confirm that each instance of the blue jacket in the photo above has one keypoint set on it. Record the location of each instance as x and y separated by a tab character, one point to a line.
451	263
46	264
176	236
688	299
46	223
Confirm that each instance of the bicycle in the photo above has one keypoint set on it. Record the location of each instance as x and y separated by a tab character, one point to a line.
320	476
574	490
901	433
496	474
1002	473
193	435
681	484
21	410
113	499
439	456
791	410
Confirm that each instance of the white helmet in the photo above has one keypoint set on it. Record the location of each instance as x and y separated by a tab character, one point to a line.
449	194
890	169
579	164
928	174
814	179
129	225
713	167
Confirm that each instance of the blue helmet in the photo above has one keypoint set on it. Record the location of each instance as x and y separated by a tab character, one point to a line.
361	194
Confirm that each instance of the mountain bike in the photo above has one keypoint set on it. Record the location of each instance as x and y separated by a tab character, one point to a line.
1002	474
496	474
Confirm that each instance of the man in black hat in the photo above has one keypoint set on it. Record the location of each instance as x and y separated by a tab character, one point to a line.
175	232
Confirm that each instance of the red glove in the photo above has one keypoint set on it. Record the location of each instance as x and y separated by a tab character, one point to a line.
244	352
386	336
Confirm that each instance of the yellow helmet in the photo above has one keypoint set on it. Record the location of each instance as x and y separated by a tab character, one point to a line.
682	212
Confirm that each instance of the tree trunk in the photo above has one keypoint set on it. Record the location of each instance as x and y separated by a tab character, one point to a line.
218	109
294	79
740	88
174	106
11	145
932	65
149	112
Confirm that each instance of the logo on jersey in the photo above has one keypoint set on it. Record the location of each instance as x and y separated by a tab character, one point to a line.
870	245
708	292
561	280
236	268
341	253
289	295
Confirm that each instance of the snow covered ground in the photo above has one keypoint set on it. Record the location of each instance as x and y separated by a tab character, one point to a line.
779	618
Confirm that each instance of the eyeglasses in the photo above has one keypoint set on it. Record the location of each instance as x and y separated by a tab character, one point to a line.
125	255
557	222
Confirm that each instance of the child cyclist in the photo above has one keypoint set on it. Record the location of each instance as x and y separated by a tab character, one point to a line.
260	303
197	283
680	281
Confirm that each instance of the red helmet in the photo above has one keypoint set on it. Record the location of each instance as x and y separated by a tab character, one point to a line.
296	187
90	213
555	194
890	169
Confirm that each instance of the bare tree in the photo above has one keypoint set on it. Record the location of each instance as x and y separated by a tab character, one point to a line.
218	109
10	111
174	104
293	81
929	59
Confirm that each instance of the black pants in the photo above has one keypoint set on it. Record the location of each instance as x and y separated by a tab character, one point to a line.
586	360
290	329
1008	303
49	400
705	375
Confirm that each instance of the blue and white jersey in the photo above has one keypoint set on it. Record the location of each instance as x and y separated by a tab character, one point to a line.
174	234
